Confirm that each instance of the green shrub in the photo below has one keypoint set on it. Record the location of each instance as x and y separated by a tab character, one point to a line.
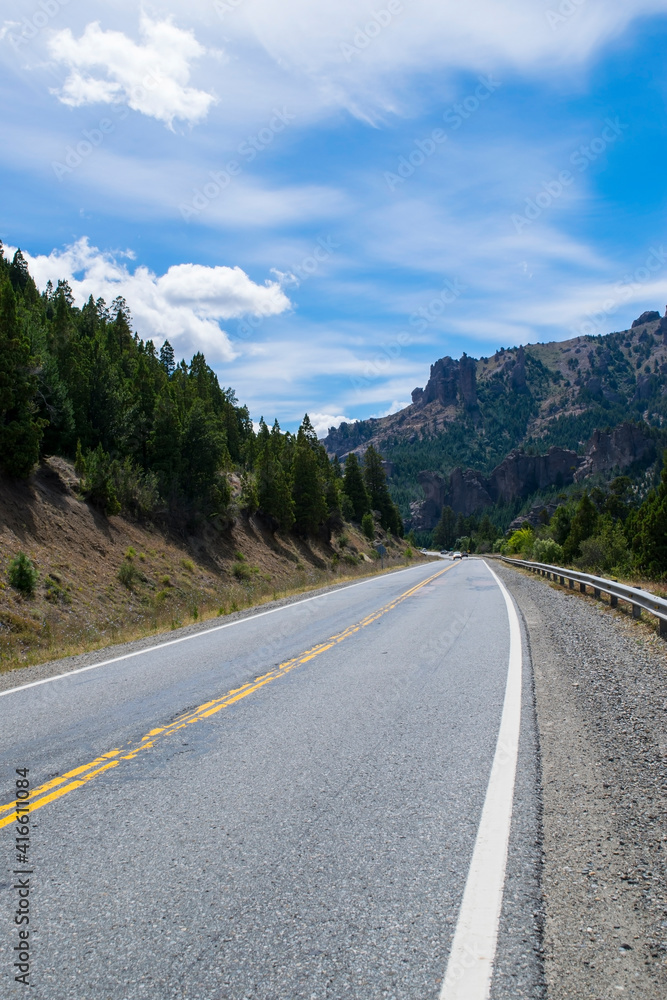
188	565
343	540
605	551
22	574
55	591
241	571
368	526
409	553
546	550
128	574
521	543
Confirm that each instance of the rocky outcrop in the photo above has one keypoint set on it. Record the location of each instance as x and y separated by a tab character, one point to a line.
617	449
662	328
450	383
518	376
539	513
467	383
425	514
467	492
520	474
646	317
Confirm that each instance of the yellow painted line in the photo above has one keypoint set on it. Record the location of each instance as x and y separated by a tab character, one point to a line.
44	794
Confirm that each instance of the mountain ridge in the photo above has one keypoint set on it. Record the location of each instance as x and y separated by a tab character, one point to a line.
473	413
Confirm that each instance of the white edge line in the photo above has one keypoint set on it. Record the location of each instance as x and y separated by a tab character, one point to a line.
198	635
473	951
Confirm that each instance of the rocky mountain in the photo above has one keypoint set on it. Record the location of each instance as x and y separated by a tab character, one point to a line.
494	430
520	475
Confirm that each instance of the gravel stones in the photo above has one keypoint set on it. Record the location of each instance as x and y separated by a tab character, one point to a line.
601	692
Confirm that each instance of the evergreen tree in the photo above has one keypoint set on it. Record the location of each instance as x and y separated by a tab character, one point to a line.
21	429
444	533
650	529
310	508
274	498
165	445
354	488
203	455
375	480
583	526
167	359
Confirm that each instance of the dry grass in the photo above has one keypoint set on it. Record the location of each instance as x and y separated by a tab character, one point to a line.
106	581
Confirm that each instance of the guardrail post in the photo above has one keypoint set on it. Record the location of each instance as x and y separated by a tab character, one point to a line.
596	593
562	581
663	627
636	611
571	583
582	588
613	600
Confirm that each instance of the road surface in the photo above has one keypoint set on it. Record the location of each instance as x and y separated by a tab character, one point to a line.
287	806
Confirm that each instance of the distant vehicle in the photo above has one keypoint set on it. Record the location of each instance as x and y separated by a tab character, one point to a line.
457	555
444	552
465	554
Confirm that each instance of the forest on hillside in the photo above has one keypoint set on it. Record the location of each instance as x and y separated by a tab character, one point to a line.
154	438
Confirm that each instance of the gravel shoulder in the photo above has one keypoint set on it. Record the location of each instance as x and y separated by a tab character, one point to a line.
601	697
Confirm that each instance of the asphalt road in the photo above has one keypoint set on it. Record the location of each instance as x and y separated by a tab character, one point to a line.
308	836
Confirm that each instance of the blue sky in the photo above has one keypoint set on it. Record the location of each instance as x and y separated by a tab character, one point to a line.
327	197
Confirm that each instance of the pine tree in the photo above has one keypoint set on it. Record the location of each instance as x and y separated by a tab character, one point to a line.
354	488
21	429
274	498
444	534
583	526
375	480
650	528
167	359
165	445
203	455
310	508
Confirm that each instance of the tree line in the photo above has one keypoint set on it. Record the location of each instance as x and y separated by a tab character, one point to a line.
152	437
614	528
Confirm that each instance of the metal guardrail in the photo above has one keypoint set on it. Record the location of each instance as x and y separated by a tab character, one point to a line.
640	600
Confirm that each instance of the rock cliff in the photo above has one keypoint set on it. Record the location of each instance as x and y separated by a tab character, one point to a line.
520	475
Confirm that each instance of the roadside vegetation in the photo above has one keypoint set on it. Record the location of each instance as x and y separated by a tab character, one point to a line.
616	529
136	494
154	439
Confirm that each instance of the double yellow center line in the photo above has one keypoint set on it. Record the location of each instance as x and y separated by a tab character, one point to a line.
79	776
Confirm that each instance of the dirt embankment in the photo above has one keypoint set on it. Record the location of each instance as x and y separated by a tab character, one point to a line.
105	580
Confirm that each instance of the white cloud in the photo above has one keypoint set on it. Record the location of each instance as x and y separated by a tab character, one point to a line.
394	408
107	67
323	421
185	305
